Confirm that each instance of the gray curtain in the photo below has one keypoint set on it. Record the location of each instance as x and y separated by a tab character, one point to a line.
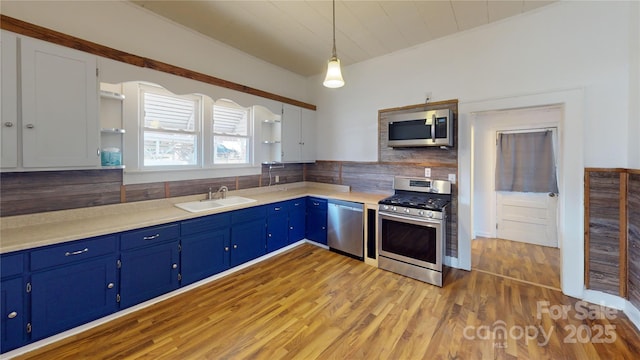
525	162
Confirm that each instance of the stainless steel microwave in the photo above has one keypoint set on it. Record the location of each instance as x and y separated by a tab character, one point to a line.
424	128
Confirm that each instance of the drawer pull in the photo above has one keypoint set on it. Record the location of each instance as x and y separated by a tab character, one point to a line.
76	252
110	286
12	315
276	209
151	237
174	266
316	204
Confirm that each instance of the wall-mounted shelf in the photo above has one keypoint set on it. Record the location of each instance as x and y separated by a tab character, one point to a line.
111	95
112	131
271	121
270	142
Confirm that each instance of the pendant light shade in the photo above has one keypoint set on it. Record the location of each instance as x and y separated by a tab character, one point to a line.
334	74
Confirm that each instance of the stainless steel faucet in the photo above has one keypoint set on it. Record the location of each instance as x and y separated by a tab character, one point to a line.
222	191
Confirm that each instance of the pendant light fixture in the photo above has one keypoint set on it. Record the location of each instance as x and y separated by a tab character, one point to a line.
334	74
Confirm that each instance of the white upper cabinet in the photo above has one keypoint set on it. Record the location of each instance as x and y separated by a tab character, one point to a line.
60	125
298	135
308	135
9	100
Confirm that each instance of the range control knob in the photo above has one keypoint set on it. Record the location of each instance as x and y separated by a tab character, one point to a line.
407	210
421	212
385	207
430	214
394	208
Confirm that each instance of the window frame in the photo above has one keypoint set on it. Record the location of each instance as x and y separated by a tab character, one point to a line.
197	132
250	136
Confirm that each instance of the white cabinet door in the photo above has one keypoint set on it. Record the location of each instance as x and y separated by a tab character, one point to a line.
308	136
59	106
291	151
9	100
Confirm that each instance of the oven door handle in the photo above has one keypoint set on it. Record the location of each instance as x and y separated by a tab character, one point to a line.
406	219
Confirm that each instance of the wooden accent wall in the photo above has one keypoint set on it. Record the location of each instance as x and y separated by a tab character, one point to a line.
377	177
433	155
633	237
612	232
33	192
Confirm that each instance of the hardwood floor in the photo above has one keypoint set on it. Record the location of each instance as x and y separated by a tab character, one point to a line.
517	260
310	303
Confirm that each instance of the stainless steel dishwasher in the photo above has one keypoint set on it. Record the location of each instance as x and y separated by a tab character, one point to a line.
345	229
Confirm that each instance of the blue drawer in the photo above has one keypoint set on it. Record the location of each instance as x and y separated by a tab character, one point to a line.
313	202
11	265
72	252
206	223
248	214
296	203
149	236
277	208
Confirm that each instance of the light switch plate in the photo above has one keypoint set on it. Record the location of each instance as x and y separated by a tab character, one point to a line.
452	178
277	179
427	172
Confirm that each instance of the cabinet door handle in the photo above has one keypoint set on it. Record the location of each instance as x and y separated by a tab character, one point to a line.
235	246
151	237
12	315
30	126
226	248
110	285
8	124
98	152
316	204
290	227
269	235
76	252
174	266
276	209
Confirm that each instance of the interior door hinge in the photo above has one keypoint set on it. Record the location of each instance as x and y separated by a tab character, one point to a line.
179	248
28	287
28	328
119	264
118	298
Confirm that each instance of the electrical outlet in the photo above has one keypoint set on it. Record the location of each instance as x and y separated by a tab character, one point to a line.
452	178
277	179
427	172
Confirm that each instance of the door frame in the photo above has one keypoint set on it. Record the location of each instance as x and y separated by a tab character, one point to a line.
571	185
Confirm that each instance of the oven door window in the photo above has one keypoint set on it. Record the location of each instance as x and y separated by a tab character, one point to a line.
411	240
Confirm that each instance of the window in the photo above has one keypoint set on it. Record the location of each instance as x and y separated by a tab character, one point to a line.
231	133
170	128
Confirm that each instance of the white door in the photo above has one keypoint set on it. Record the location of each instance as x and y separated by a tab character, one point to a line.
527	217
291	151
8	101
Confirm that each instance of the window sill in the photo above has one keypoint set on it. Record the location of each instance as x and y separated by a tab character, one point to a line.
162	175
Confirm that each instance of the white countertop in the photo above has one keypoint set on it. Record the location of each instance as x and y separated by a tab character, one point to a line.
34	230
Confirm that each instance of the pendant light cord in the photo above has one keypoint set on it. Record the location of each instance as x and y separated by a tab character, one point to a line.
335	56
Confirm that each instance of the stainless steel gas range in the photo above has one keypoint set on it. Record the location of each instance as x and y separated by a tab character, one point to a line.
412	228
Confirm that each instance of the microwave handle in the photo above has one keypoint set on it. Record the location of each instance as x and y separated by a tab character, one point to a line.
433	127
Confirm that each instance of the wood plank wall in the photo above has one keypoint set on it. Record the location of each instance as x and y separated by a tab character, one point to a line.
633	237
612	228
34	192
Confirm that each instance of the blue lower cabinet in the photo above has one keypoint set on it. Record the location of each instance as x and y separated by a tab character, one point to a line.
65	297
297	220
204	254
277	231
13	332
317	220
248	235
148	272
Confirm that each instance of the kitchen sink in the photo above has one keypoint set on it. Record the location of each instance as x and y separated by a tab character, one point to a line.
205	205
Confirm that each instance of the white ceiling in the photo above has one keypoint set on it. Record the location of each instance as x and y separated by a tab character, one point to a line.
297	35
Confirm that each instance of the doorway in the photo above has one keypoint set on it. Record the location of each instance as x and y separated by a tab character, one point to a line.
515	232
